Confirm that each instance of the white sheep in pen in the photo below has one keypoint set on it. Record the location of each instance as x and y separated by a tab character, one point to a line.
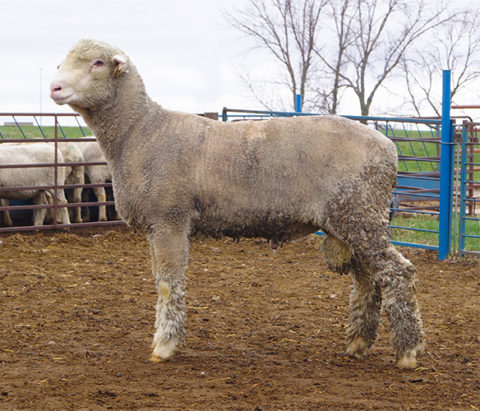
74	174
97	174
175	174
32	153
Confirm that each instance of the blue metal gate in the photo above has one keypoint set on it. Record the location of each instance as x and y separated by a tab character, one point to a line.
469	206
422	202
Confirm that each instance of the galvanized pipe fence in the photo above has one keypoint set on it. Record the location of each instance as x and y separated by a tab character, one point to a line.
20	128
434	206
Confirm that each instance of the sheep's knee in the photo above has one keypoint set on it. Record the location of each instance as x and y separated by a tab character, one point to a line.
338	255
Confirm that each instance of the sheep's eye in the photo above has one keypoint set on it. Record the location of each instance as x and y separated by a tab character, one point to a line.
99	63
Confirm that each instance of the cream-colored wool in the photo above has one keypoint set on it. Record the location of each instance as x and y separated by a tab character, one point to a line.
32	153
96	174
175	174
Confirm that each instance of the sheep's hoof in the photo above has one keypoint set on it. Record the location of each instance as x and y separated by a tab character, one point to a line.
409	359
357	348
406	362
163	351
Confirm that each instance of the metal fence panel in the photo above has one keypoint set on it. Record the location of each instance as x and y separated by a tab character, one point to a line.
417	197
53	128
469	207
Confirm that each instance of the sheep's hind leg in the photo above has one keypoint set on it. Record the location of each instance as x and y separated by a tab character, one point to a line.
101	197
39	213
365	305
61	200
169	250
365	298
7	221
396	277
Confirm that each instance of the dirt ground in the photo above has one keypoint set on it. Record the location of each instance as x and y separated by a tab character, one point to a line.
265	330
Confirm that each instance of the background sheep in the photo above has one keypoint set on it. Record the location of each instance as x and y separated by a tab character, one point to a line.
96	174
175	174
7	221
74	174
32	153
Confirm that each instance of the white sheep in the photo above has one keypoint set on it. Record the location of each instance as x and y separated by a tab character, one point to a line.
175	174
97	174
32	153
7	221
74	174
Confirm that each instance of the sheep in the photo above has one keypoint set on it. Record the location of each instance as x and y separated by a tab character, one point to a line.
7	221
32	153
74	174
97	174
176	175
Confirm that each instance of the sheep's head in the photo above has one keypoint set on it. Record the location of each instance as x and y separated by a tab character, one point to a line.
87	76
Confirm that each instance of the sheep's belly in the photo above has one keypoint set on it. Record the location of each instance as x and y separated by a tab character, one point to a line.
279	230
19	195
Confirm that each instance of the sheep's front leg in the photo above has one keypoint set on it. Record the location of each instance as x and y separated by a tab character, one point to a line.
169	250
78	178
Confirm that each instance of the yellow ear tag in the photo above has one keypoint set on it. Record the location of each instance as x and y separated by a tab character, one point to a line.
117	71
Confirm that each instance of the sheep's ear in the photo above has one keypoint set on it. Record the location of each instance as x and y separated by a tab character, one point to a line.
120	63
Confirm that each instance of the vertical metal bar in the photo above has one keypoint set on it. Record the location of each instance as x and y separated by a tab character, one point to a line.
456	195
463	188
446	159
55	189
298	103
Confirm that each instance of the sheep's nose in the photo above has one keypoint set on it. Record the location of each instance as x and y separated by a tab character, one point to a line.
60	91
55	86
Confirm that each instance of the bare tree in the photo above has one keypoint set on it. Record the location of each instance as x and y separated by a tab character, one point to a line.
454	46
287	28
328	47
382	32
332	55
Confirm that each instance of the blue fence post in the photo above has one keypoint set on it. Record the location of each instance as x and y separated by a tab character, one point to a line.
463	188
298	103
446	172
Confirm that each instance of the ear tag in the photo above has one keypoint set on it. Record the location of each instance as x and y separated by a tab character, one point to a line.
117	71
121	65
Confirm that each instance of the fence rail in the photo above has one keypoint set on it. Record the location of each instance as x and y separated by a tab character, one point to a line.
420	193
58	127
469	221
418	189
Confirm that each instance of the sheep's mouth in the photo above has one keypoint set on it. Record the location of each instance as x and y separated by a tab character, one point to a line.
61	98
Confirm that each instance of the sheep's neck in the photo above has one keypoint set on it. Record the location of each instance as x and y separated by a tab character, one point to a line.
113	123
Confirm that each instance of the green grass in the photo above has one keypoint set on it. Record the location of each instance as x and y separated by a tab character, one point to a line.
416	149
421	149
49	131
430	223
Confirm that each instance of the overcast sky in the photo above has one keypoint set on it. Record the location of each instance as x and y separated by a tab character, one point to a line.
187	54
